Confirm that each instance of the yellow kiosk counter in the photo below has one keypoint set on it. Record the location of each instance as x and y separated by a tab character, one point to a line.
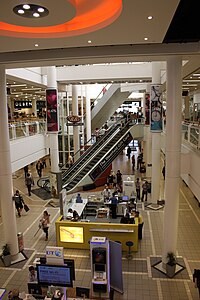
78	234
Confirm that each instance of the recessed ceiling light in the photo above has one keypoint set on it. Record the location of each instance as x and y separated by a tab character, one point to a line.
36	45
190	77
150	17
146	39
26	6
36	15
41	9
140	80
14	82
20	11
89	42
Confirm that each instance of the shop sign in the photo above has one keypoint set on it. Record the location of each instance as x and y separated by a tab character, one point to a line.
73	119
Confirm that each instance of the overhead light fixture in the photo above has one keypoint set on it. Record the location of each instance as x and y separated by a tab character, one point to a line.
196	74
36	15
31	11
21	11
89	42
36	45
150	17
16	85
26	6
146	39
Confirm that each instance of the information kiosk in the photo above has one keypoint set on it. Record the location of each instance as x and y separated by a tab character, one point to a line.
100	267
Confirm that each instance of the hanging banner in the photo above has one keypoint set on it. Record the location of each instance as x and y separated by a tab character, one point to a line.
52	110
156	108
147	108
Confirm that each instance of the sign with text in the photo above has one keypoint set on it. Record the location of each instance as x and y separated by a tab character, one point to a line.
55	255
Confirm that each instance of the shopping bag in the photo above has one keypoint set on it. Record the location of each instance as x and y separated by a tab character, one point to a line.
26	208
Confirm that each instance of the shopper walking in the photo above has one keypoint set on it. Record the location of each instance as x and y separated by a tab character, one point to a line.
25	171
18	202
128	153
45	221
39	167
144	190
137	187
29	182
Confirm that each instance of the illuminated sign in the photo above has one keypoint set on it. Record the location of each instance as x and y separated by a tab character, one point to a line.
71	234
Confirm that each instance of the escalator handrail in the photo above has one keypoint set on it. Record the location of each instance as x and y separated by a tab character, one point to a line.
121	133
93	147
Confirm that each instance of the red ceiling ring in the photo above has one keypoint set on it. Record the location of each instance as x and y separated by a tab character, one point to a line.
90	16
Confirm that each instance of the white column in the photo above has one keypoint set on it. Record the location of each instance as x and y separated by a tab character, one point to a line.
75	128
187	107
173	154
53	137
148	148
155	179
34	107
6	185
88	114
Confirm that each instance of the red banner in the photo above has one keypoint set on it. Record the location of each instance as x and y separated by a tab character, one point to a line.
52	110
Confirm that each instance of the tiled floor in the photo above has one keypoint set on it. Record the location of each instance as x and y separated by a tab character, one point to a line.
141	281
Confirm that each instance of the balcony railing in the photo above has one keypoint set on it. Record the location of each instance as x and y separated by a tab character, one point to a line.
25	129
191	134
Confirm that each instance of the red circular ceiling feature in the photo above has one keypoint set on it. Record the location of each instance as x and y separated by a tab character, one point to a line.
90	16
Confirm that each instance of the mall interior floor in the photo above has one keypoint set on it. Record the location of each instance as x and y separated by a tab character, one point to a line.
141	281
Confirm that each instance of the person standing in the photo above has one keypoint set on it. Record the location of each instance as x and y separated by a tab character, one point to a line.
113	200
18	202
137	186
106	193
25	171
128	152
133	162
45	224
29	182
32	276
144	190
196	279
39	167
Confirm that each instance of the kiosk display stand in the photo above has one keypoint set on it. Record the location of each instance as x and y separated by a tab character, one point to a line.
100	267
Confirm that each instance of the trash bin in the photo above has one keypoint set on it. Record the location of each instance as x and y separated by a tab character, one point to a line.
20	241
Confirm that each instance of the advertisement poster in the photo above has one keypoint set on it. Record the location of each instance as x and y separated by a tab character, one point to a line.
52	110
147	109
71	234
156	108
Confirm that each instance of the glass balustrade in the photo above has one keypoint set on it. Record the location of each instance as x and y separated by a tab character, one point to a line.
25	129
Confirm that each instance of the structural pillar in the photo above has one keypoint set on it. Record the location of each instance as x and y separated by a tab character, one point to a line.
75	128
173	155
187	108
34	107
155	179
148	138
6	185
88	114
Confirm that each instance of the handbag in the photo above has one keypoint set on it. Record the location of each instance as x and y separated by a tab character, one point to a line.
26	208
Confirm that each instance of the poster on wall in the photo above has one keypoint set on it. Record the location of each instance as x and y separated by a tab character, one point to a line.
147	108
52	110
156	108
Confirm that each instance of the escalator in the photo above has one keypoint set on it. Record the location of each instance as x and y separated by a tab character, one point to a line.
94	163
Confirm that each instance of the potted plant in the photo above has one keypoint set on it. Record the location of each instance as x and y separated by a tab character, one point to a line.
171	264
6	255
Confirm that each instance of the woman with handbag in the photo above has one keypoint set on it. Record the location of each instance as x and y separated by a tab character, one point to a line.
45	221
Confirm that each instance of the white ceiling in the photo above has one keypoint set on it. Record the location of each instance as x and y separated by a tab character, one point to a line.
121	41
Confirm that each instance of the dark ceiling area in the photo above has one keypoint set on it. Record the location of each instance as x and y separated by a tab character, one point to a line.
185	26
